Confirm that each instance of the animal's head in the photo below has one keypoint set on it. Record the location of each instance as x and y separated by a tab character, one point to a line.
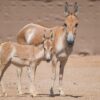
48	46
71	22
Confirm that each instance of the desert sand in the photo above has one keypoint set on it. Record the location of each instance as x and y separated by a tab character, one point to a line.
82	71
81	80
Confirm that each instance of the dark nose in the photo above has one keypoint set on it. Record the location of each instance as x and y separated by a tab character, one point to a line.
48	60
70	43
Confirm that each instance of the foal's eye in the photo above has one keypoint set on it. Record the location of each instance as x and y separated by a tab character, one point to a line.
76	24
65	24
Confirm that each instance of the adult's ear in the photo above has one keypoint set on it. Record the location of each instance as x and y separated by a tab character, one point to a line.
66	11
44	35
51	34
76	8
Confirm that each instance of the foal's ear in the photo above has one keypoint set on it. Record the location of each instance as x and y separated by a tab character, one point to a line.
46	34
66	9
76	8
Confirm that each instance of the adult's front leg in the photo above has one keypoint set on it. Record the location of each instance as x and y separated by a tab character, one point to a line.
53	77
61	72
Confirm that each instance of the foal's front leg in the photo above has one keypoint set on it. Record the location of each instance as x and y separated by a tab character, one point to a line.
19	74
53	78
31	77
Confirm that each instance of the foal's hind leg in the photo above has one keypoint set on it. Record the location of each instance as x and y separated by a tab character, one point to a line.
3	89
2	71
2	85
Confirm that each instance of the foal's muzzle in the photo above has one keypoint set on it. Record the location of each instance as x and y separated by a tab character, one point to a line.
48	57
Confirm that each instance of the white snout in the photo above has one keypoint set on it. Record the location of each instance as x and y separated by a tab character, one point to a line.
70	37
48	56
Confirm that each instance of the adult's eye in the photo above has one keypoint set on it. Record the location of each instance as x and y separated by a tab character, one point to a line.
76	24
65	24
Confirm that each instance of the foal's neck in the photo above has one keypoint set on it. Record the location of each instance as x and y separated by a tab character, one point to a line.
39	52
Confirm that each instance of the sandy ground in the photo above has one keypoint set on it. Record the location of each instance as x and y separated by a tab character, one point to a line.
81	80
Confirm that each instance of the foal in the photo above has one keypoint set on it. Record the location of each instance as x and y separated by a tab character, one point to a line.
24	55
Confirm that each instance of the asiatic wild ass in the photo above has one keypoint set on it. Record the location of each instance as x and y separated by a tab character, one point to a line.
24	55
64	38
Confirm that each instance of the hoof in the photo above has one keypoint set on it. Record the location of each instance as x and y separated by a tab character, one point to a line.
61	93
33	94
4	95
51	92
19	94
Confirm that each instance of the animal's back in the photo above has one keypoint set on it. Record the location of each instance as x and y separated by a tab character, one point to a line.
31	34
24	51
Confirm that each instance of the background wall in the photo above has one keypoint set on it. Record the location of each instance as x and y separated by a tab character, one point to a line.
14	14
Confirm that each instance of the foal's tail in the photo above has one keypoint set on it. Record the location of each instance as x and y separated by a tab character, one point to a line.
6	53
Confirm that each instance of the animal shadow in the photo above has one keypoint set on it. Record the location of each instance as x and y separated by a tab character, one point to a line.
57	95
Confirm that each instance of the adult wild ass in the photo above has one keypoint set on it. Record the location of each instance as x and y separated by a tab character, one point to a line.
64	38
21	56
